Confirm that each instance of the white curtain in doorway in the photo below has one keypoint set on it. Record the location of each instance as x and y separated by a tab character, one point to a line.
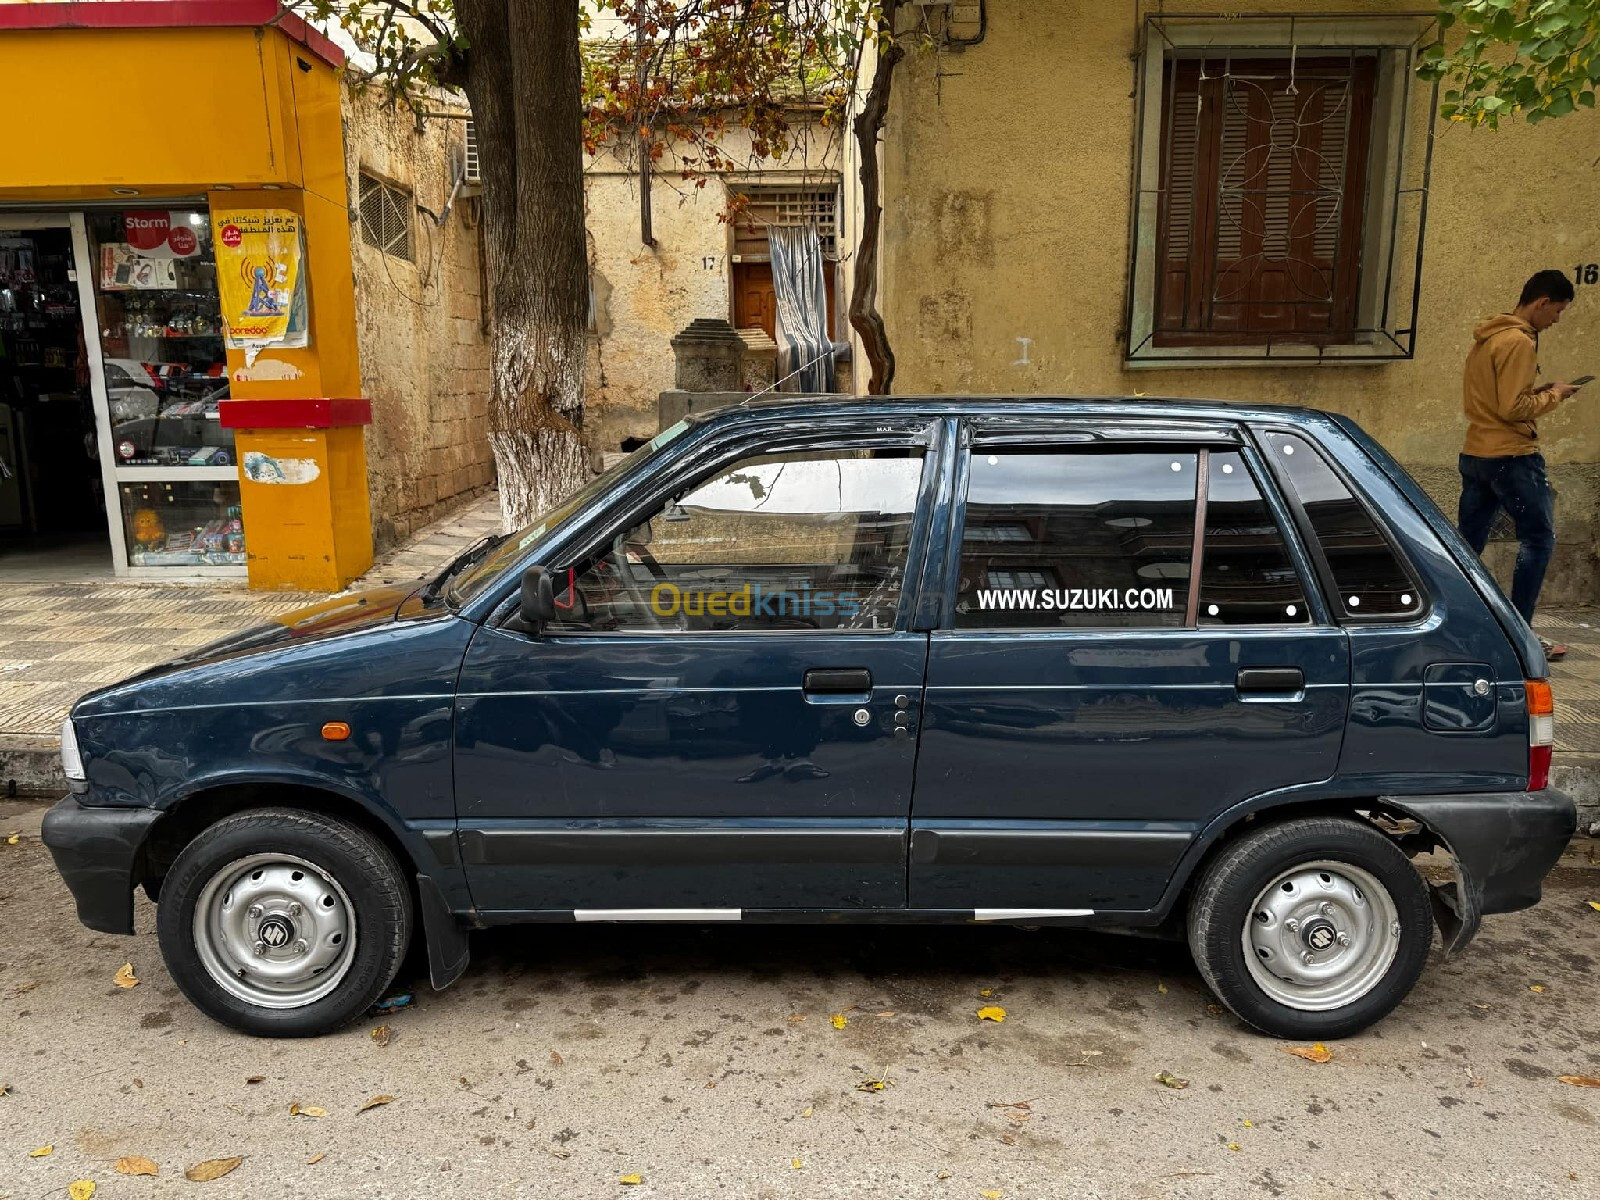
805	352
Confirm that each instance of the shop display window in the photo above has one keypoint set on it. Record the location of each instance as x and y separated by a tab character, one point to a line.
160	317
178	523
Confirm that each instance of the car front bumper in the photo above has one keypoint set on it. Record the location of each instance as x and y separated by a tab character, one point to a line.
1503	844
97	851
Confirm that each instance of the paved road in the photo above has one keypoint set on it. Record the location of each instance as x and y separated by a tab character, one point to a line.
704	1060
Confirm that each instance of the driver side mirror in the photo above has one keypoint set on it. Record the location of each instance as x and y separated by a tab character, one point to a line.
538	600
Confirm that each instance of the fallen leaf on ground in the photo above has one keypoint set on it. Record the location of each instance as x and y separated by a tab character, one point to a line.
631	1180
874	1085
795	1018
945	1175
992	1012
42	1152
1021	1105
1536	987
1214	1009
136	1164
1235	1146
25	986
212	1168
1580	1080
125	978
795	1163
80	1189
1161	987
137	1082
315	1159
13	839
254	1078
838	1020
1317	1053
808	1112
1249	1124
1019	1117
1594	904
555	1059
1007	1140
890	1013
5	1089
985	992
375	1102
383	1035
991	1194
306	1110
1168	1079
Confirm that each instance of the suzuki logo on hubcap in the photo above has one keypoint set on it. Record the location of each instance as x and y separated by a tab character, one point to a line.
1320	936
275	931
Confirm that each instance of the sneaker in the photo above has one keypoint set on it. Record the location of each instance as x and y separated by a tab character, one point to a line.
1553	651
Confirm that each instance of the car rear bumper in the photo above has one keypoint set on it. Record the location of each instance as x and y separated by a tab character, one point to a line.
97	850
1503	843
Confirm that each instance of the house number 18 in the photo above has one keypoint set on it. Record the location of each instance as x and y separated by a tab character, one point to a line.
1586	273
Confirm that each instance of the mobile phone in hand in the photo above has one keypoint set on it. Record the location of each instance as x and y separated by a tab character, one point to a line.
1581	380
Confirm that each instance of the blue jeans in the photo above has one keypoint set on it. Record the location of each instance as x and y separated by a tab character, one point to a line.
1518	485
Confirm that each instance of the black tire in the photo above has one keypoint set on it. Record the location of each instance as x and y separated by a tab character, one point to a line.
1225	897
358	863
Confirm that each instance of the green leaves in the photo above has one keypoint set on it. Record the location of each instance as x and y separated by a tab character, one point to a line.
1537	59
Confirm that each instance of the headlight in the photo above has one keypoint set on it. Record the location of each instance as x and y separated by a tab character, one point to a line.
71	759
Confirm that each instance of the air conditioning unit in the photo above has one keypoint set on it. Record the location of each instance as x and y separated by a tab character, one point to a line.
471	175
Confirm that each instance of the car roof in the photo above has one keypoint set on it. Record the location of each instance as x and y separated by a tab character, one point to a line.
823	407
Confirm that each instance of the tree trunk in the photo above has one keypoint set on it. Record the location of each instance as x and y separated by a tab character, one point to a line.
864	315
523	80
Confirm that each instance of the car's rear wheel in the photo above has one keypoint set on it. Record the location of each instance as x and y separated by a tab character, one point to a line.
284	923
1313	928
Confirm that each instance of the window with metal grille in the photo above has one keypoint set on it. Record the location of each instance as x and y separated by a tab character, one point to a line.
385	216
767	206
1281	188
1264	173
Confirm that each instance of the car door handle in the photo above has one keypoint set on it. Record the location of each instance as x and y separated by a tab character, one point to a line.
1258	680
838	681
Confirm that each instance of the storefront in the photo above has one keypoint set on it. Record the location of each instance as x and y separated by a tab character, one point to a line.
176	304
114	372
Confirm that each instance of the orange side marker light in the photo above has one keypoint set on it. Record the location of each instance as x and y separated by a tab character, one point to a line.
335	731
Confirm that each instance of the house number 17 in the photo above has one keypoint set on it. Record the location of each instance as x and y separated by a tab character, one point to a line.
1586	273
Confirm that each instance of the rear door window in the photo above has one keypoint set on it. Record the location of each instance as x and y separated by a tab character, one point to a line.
1246	575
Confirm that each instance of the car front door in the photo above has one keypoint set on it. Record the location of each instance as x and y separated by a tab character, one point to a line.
722	717
1130	649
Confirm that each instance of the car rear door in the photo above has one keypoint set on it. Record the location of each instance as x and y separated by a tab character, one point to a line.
1130	646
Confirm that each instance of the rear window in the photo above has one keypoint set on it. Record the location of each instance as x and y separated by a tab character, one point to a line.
1369	575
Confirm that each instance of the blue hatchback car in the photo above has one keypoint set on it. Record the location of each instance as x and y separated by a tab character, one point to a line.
1205	670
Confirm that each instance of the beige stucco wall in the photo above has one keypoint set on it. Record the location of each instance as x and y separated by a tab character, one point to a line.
646	294
1007	215
420	325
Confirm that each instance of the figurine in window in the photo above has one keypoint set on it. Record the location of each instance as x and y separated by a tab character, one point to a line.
148	530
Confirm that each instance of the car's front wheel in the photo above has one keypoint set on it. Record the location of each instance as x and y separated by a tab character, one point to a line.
283	923
1314	928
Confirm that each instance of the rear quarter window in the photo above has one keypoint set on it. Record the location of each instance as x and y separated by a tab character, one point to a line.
1368	574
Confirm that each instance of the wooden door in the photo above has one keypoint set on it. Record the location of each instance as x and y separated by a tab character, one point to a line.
754	303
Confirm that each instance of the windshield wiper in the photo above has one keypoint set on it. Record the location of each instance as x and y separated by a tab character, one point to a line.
440	582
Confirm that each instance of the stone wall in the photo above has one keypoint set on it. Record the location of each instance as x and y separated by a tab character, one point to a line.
421	323
646	294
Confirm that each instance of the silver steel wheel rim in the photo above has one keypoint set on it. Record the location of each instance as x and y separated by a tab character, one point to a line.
275	931
1321	935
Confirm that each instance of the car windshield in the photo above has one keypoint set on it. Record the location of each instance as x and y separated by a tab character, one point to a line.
475	581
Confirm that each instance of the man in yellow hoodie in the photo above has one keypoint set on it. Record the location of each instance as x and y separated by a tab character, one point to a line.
1501	466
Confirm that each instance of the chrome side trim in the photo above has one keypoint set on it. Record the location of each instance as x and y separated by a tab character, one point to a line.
1028	914
658	914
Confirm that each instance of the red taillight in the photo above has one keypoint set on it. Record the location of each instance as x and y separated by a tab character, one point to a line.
1541	733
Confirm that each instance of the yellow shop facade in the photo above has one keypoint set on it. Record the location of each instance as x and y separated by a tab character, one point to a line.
185	232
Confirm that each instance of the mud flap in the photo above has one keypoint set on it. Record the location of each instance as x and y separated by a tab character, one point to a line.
448	948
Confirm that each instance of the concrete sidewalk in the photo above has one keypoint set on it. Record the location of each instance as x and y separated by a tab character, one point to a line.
59	640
